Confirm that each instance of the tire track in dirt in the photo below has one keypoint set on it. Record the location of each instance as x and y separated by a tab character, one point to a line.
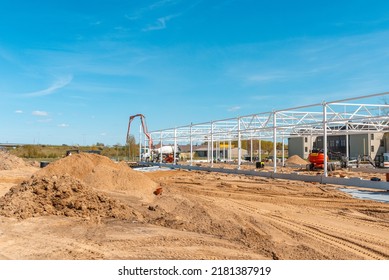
316	232
251	194
334	240
365	243
63	247
343	207
360	236
273	208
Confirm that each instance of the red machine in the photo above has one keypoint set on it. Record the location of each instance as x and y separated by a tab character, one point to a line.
168	158
316	159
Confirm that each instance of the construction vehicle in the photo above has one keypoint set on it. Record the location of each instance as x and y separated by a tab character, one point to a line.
149	153
146	155
70	152
167	154
382	161
316	159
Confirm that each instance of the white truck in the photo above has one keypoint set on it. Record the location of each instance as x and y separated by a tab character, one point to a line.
167	154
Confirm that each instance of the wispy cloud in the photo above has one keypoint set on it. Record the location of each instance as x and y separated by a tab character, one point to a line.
63	125
261	97
263	78
40	113
95	23
18	112
58	84
377	21
160	24
5	55
163	3
45	120
234	109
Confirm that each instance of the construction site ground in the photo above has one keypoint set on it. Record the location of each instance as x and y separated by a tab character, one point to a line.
66	212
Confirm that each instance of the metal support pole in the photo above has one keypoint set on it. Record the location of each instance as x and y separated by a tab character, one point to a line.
251	150
175	146
283	152
145	149
191	146
160	149
224	151
229	150
274	142
325	138
217	149
140	143
259	150
212	158
369	143
208	151
239	145
347	144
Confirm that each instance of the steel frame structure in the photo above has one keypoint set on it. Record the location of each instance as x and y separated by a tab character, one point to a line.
325	118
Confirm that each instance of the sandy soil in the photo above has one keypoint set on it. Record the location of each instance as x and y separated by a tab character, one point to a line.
202	215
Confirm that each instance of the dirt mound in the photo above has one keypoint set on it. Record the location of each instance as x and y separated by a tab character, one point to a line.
102	173
295	159
9	162
65	195
204	218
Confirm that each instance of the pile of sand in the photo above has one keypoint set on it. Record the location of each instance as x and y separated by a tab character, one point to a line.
102	173
65	195
9	162
295	159
74	186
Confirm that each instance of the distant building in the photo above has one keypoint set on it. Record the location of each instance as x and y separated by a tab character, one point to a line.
358	144
223	153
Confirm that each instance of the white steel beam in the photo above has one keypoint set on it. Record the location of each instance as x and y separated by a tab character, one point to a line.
340	118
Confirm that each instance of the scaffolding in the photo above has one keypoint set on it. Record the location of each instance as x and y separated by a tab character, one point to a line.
347	116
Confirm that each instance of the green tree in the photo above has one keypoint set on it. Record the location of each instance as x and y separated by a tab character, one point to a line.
267	146
132	147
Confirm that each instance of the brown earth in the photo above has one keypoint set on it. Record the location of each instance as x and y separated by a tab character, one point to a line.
102	173
199	215
295	159
9	161
65	195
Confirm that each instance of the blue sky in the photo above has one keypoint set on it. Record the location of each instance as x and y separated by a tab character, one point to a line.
72	72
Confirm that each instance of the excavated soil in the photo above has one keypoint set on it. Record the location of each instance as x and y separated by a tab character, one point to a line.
9	161
102	173
76	186
295	159
198	215
65	195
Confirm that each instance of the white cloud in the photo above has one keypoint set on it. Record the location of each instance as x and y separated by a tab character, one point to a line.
263	78
160	24
45	120
163	3
63	125
234	109
40	113
58	84
262	97
103	134
18	112
96	22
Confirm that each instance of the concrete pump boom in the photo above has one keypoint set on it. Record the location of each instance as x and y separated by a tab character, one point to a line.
144	128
